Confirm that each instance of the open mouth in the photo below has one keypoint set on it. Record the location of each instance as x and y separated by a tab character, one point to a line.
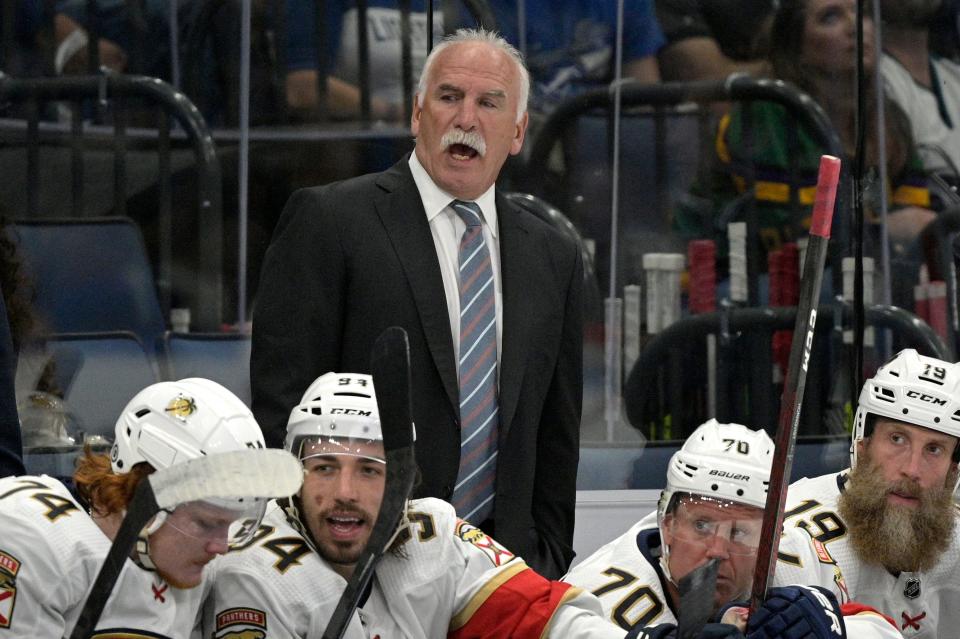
462	152
344	526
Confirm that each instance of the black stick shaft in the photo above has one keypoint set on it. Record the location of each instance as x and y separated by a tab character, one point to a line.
142	508
793	385
390	366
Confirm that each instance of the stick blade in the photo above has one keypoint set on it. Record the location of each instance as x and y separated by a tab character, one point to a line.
255	472
697	590
390	367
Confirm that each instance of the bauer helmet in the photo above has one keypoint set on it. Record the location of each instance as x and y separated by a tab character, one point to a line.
914	389
171	422
723	461
337	416
727	466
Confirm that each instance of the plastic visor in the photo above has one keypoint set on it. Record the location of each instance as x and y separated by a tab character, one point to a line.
320	445
217	522
707	521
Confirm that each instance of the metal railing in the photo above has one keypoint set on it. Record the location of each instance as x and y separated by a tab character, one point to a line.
204	295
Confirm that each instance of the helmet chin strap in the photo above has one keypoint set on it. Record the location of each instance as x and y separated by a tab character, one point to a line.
665	562
141	552
291	508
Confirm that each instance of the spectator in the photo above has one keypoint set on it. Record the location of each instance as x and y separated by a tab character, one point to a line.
814	43
710	39
945	31
570	46
352	258
924	85
27	50
342	52
133	36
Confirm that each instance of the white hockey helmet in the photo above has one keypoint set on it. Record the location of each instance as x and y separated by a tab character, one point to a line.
171	422
914	389
338	415
722	461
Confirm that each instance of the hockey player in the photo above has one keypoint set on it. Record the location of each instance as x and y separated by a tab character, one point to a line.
441	577
51	549
885	531
712	507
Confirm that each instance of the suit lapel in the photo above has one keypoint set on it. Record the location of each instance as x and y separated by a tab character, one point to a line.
401	211
517	257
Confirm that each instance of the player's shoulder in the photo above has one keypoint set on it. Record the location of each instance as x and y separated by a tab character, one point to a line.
622	554
823	489
24	486
49	542
279	559
430	527
274	539
42	513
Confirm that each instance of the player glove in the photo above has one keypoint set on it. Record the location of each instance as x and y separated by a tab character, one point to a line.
797	612
669	631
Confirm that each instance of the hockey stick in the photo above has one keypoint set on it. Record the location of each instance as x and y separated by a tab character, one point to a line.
236	474
390	366
795	380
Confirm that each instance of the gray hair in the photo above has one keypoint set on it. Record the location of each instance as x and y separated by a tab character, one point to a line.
489	37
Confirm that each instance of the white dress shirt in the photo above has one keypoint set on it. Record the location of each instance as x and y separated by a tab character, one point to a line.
447	229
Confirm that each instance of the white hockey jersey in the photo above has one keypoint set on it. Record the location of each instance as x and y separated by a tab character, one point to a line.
448	579
923	605
626	576
50	554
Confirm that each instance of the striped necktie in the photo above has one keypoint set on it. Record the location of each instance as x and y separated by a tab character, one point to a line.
479	423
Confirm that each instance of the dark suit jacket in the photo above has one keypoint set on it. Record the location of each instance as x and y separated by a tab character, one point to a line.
11	453
349	259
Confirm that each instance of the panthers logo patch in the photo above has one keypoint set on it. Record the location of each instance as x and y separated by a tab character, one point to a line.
486	544
9	567
241	623
181	407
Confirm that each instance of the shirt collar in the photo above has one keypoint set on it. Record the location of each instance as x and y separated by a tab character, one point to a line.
435	199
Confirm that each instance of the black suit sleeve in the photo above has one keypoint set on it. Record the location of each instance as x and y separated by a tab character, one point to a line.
297	321
558	442
11	451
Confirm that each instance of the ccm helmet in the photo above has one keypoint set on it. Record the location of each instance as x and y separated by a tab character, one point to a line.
171	422
337	415
723	461
914	389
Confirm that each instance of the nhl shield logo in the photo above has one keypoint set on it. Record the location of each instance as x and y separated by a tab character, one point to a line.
912	589
181	407
9	567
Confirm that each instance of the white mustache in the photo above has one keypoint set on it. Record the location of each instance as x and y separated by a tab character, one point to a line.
468	138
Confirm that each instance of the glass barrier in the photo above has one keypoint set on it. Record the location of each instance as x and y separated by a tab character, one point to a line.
686	173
